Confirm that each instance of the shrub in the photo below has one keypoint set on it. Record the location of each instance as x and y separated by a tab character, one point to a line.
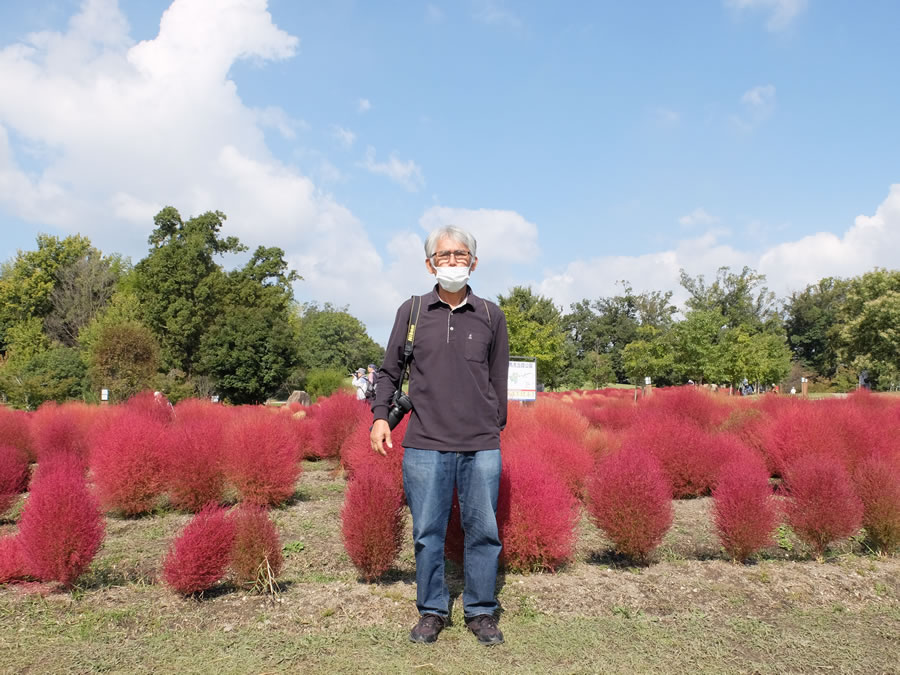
15	432
152	404
821	506
194	470
61	429
564	455
127	460
877	481
61	527
692	404
325	382
689	456
629	498
358	457
372	523
744	509
256	558
306	430
12	562
261	457
13	475
200	555
337	416
536	515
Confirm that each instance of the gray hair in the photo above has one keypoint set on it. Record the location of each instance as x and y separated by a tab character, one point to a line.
451	232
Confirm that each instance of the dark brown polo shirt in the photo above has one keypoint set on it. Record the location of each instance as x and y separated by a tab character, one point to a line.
457	376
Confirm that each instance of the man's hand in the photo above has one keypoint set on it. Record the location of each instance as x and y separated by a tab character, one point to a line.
380	433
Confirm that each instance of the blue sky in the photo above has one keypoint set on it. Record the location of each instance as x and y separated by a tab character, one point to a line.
582	142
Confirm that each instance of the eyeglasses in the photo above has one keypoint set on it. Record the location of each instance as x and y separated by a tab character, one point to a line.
444	256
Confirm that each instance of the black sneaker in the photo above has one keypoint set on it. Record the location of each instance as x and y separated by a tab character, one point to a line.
485	628
427	629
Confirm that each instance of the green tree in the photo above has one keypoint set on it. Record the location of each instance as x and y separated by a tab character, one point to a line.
696	344
651	355
535	329
54	374
251	348
332	339
811	322
27	281
123	358
869	332
742	298
179	284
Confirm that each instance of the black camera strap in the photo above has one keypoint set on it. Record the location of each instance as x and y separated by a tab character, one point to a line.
414	311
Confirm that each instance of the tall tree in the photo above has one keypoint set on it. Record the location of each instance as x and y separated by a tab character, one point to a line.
331	338
179	284
535	329
869	331
27	281
742	298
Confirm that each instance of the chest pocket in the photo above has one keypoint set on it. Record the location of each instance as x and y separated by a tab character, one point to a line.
475	348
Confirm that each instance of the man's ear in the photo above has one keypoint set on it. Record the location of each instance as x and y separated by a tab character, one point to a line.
474	264
429	266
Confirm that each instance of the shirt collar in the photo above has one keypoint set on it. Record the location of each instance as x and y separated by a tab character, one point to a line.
434	299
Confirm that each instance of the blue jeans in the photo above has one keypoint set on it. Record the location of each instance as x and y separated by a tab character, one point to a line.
428	479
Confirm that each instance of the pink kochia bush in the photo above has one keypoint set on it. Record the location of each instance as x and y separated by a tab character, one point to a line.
62	429
744	509
877	481
336	417
194	454
12	562
256	553
127	460
13	475
62	527
372	522
15	432
629	498
536	515
201	553
821	506
261	456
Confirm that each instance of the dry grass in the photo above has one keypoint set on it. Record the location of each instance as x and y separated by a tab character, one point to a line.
690	610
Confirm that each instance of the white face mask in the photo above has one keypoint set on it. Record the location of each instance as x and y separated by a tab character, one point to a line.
452	279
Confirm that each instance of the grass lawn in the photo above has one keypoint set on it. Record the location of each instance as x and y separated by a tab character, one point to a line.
689	611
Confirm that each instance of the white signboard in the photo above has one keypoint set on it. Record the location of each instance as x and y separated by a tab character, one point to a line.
522	381
104	394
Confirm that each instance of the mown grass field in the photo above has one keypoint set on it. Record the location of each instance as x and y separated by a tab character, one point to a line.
689	611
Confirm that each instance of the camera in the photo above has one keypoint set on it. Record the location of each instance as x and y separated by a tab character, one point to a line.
400	405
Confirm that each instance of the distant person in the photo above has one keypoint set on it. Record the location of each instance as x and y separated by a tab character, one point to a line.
370	386
793	390
361	383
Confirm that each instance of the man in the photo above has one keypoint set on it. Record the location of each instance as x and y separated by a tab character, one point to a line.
457	384
370	386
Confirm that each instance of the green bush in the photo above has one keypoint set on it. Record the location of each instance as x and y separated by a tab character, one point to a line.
325	382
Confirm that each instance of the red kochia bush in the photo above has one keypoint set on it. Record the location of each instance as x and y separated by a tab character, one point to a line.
62	527
256	553
194	470
128	459
12	563
61	429
372	522
14	431
152	404
337	416
200	555
261	457
357	455
13	475
630	500
744	509
821	506
877	481
536	515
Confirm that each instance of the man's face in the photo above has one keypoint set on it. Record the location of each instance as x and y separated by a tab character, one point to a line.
450	253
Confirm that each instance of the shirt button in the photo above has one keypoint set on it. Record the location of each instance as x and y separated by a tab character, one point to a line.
451	327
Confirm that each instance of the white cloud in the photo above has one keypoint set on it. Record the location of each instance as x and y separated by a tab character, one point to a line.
698	216
278	119
758	105
869	242
781	12
408	173
363	105
344	136
122	129
495	13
